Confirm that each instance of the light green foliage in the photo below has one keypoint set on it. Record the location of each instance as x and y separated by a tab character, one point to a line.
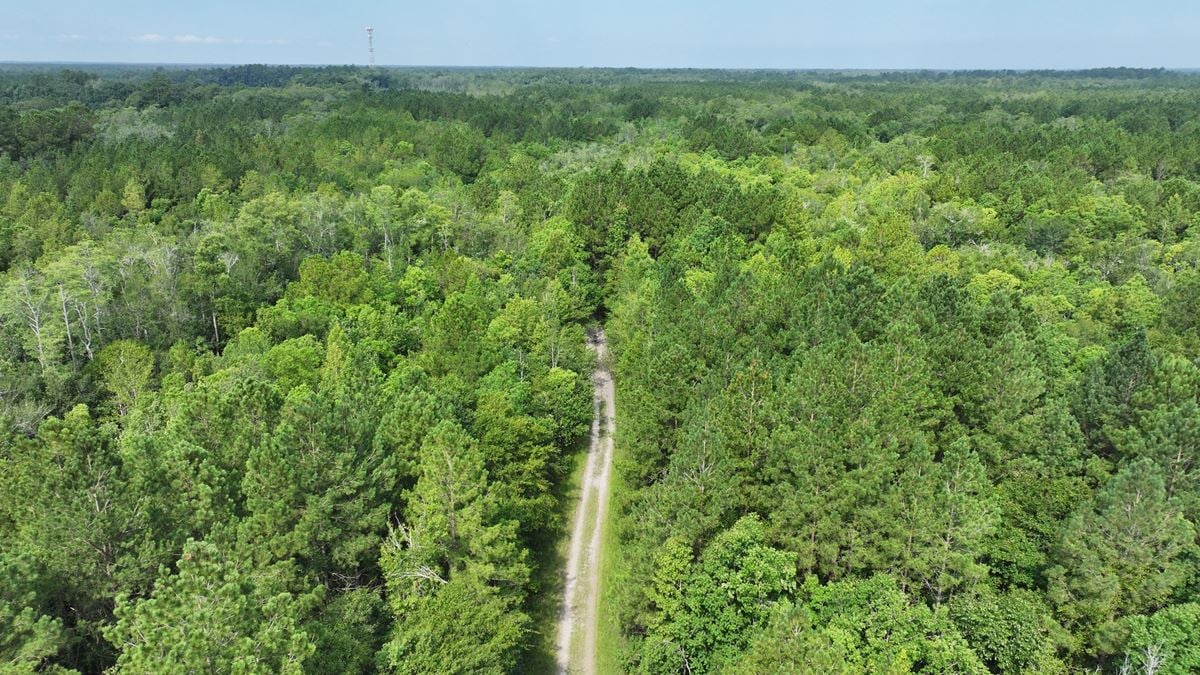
1170	637
215	613
28	303
562	396
461	627
1010	631
928	339
294	362
126	367
707	609
451	568
517	331
339	281
865	626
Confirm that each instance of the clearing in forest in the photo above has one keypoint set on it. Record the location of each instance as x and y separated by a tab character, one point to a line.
581	597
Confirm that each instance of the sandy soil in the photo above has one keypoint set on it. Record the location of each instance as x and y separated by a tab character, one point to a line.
581	598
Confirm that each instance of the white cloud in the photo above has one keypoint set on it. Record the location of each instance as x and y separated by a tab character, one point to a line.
197	40
193	39
65	37
268	41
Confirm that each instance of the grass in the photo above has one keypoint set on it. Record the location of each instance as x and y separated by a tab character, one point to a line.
609	641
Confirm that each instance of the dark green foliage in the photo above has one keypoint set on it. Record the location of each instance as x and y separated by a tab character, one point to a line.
30	639
1128	552
292	366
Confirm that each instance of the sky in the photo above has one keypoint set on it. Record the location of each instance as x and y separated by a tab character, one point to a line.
941	34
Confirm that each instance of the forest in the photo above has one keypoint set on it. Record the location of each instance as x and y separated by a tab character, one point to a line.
294	373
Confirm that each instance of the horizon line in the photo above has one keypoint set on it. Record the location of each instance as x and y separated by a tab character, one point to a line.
900	69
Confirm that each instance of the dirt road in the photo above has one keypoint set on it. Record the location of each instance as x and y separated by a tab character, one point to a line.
581	597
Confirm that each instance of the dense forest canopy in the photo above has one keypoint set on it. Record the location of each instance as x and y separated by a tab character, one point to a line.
293	372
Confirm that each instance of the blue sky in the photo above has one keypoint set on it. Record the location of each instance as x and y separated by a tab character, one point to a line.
645	33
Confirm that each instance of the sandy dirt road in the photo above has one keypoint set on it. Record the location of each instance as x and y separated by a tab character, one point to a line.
577	623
